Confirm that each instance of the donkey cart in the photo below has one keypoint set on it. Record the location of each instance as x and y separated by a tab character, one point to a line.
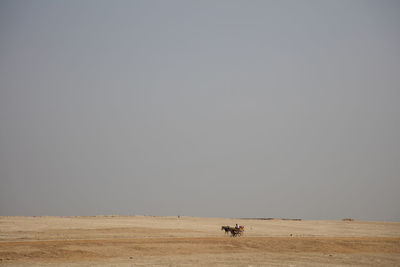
233	230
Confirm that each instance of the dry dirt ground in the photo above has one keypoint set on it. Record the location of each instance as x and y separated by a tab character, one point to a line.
190	241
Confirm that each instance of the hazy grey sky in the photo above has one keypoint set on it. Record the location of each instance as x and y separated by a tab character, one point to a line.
201	108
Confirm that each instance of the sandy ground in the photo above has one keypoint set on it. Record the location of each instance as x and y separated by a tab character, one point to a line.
189	241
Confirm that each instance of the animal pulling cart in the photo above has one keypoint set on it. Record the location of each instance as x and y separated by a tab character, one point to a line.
233	230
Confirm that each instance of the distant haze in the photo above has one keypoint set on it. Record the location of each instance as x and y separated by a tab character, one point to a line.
201	108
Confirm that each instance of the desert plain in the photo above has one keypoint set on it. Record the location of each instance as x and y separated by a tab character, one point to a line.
194	241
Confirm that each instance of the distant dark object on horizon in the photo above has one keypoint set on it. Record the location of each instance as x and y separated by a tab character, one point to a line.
264	219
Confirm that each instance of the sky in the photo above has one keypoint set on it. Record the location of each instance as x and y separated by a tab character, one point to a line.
286	109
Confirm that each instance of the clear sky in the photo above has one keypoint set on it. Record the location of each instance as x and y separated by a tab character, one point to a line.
201	108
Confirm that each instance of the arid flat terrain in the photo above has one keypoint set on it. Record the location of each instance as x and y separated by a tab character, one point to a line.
189	241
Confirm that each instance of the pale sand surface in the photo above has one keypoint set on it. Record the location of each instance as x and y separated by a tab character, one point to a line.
190	241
